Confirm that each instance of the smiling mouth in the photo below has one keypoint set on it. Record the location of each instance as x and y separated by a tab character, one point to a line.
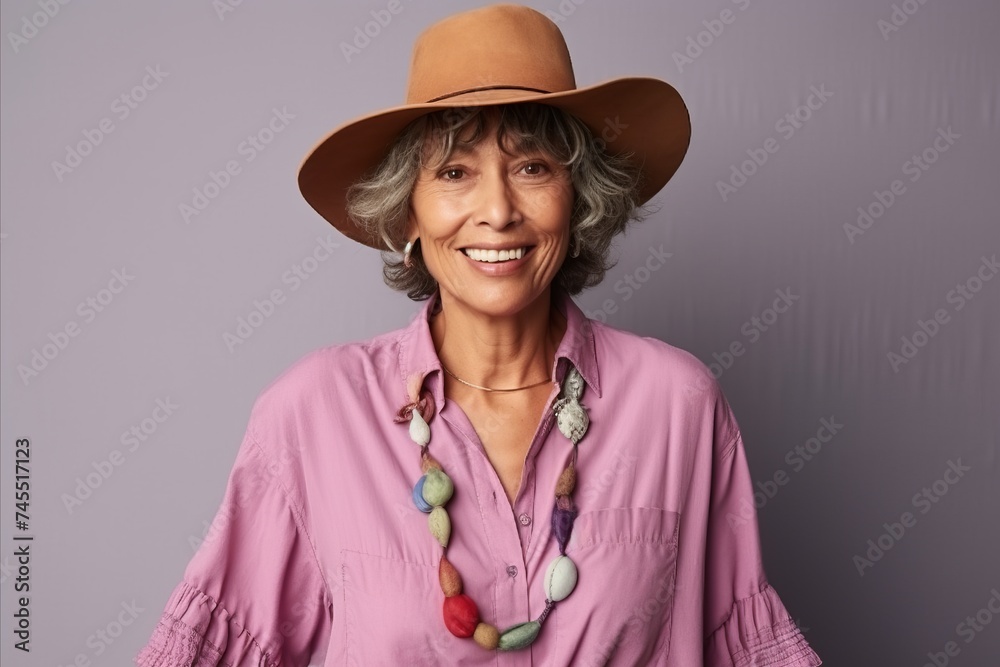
494	256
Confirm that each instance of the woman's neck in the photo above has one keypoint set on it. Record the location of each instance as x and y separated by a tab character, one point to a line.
498	352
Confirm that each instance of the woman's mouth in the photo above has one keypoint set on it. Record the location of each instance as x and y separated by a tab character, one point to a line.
494	256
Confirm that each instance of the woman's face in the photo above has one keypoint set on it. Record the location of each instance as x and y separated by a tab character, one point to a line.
511	212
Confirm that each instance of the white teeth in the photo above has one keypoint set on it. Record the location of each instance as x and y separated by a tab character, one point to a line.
482	255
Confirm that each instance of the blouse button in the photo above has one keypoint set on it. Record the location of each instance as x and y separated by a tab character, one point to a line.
524	519
512	570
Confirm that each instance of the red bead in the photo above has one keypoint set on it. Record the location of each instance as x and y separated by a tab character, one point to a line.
460	615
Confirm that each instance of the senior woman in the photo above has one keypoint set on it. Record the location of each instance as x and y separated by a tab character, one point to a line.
502	474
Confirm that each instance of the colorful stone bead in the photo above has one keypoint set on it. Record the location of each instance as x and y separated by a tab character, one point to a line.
567	481
560	579
461	615
418	496
562	525
451	580
486	636
438	487
573	384
440	525
420	432
518	636
572	419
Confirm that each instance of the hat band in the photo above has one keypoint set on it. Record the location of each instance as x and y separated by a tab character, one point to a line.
476	90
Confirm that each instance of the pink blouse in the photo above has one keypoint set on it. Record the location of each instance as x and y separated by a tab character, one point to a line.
318	555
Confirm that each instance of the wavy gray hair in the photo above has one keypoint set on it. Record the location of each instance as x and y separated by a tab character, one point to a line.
605	186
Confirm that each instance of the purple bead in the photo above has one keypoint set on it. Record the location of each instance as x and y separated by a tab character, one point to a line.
418	496
562	526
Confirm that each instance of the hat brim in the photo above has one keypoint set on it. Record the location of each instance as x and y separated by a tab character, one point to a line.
643	116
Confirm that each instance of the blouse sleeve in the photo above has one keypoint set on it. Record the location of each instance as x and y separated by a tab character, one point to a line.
746	621
253	594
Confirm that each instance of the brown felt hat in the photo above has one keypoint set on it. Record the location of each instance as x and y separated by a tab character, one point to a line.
497	55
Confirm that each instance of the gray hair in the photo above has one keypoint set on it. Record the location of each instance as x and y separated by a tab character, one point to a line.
606	186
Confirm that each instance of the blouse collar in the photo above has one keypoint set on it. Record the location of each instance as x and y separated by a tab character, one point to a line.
418	357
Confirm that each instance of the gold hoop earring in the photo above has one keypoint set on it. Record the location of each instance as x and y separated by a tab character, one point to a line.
574	240
407	251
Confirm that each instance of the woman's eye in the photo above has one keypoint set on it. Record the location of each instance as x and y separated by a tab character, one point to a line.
534	168
452	174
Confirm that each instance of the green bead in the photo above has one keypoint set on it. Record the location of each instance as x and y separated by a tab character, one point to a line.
519	636
440	525
438	487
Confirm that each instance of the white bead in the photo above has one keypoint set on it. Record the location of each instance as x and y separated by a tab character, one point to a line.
560	578
572	419
573	384
420	432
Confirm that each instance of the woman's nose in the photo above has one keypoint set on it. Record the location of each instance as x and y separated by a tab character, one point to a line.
496	200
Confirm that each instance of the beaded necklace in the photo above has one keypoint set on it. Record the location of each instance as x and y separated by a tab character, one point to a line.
434	489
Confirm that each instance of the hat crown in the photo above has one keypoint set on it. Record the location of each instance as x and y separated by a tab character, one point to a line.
497	47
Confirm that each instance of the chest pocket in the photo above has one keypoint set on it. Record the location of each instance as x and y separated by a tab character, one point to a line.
392	612
627	559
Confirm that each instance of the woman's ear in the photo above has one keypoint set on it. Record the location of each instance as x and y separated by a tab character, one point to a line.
410	231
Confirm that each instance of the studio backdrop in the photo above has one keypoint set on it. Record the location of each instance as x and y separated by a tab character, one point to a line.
828	249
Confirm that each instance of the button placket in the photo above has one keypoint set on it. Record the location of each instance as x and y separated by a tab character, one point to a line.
522	518
511	592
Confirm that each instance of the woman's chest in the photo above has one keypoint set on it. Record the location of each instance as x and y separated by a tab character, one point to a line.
506	434
383	562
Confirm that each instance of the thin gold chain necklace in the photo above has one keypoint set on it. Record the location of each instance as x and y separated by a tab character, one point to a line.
476	386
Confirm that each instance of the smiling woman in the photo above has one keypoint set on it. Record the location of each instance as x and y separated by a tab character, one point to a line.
549	146
502	464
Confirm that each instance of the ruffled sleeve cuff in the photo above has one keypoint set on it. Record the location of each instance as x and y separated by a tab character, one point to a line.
196	631
759	633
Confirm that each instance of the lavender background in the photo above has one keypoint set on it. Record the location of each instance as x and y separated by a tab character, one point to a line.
891	90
